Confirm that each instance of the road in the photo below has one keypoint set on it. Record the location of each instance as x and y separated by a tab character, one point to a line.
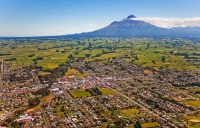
169	123
80	108
45	117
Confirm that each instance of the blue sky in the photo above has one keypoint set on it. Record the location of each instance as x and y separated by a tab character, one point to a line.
58	17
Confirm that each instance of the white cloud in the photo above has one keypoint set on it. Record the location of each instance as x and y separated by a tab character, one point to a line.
172	22
91	25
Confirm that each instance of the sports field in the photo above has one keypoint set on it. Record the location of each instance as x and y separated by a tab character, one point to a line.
79	93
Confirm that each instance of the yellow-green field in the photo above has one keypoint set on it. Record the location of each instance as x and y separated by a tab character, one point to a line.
190	124
126	113
44	73
71	72
150	125
74	72
59	113
106	91
194	103
195	96
79	93
45	99
56	52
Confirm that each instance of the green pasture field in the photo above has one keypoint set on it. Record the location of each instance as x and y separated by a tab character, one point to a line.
79	93
178	53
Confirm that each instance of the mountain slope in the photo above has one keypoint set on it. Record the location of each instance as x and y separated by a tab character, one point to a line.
128	28
137	28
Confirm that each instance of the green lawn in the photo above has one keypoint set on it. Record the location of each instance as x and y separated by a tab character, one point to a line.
79	93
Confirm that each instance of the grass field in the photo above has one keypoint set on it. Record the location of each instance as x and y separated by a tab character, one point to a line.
45	99
147	71
106	113
195	96
36	108
127	113
106	91
150	125
44	73
79	93
74	72
194	103
191	125
58	111
191	117
56	52
71	72
195	126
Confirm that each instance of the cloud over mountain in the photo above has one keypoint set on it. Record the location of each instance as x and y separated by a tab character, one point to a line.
172	22
91	25
155	27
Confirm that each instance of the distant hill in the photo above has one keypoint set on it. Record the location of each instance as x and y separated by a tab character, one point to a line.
186	31
137	28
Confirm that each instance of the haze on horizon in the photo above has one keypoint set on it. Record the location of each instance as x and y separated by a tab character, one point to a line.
51	17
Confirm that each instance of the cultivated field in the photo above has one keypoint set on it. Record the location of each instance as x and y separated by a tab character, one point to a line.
171	53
